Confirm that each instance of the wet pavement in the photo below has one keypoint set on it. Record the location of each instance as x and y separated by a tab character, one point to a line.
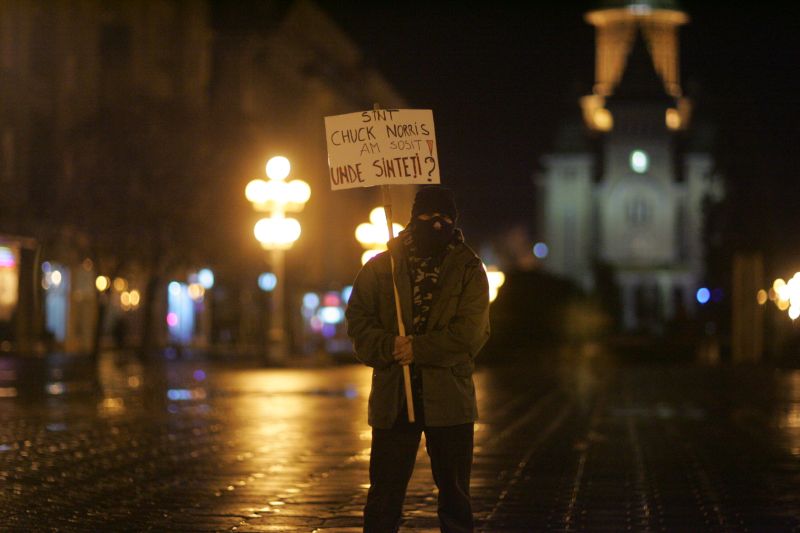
581	444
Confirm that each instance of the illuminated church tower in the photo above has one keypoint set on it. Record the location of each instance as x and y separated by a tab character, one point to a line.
625	189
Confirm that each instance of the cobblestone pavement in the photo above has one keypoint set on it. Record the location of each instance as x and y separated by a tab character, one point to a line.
578	445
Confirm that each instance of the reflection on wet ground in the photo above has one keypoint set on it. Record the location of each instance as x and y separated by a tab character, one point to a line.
579	443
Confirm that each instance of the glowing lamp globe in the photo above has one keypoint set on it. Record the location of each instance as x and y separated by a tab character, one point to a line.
277	233
278	168
257	191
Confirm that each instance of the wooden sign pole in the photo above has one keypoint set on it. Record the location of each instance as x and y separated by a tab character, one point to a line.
387	209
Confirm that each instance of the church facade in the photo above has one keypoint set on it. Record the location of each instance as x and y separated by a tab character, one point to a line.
624	191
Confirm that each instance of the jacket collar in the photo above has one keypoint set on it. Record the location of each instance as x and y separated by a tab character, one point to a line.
456	258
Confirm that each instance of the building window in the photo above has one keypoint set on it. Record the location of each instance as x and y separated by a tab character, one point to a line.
639	161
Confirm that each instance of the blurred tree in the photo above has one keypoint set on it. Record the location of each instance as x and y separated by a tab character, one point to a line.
145	197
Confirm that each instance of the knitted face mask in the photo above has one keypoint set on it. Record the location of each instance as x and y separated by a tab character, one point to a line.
431	241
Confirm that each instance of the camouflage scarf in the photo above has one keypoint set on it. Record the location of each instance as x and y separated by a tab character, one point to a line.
424	272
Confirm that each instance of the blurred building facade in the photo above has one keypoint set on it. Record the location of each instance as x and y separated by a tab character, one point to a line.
624	191
128	131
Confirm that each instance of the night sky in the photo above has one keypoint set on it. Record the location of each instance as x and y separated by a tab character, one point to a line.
500	78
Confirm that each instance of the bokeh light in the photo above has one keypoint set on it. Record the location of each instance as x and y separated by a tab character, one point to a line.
496	279
703	295
785	294
102	283
278	168
205	277
267	281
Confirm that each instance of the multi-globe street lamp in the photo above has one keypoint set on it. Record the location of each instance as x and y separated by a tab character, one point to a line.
277	233
373	235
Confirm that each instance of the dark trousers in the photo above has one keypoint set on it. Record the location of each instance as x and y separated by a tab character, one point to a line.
394	452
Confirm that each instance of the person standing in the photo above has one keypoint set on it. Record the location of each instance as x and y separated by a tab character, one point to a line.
444	299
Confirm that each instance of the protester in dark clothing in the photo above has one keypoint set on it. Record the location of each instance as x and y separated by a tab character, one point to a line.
444	297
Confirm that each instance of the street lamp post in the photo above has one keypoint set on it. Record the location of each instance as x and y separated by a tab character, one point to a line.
277	233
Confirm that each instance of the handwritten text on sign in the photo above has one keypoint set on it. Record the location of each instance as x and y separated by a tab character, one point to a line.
382	147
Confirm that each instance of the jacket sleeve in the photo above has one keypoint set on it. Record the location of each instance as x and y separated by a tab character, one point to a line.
460	340
373	344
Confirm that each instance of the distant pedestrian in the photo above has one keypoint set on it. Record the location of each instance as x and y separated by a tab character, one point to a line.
120	332
444	296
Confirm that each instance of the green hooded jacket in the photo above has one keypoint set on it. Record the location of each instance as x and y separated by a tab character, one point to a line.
458	327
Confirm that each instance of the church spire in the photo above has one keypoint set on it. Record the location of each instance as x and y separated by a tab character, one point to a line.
616	29
640	80
619	24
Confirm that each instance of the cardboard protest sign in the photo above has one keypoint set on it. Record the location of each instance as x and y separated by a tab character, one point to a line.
382	147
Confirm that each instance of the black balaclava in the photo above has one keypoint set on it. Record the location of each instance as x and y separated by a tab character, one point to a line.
429	240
